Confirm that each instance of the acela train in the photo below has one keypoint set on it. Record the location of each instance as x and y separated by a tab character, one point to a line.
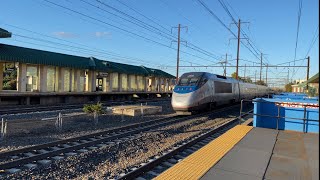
198	90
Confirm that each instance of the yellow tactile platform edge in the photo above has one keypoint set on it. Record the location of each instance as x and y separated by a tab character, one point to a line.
198	163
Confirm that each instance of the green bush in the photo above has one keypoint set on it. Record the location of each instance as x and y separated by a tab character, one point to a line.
312	92
91	108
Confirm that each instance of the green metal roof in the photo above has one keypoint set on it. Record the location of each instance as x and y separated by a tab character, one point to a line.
33	56
4	33
157	72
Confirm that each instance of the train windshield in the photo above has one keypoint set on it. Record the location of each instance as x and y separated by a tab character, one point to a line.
189	79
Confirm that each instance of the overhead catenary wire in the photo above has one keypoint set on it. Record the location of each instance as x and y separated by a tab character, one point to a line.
297	35
79	44
162	33
255	49
313	40
75	47
298	29
255	53
224	25
190	54
121	29
73	50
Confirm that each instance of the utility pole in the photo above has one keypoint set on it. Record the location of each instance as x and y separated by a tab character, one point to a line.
267	74
308	73
245	68
260	66
225	66
178	53
178	50
255	76
288	76
238	50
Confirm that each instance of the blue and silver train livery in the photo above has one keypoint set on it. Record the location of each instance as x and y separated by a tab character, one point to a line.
198	90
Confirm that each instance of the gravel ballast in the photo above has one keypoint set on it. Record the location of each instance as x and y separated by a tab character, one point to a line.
111	160
29	129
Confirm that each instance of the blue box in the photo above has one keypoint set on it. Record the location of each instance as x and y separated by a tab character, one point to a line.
266	112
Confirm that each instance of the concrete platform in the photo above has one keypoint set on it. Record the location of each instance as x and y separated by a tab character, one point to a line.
252	153
270	154
131	110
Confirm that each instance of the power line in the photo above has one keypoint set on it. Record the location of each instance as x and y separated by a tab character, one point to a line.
76	47
198	49
224	25
119	28
79	44
135	21
150	19
298	29
79	50
224	6
146	26
314	39
297	36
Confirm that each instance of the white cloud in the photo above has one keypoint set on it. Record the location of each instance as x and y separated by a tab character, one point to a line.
102	34
64	34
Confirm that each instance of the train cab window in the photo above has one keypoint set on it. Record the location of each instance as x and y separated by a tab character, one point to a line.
193	81
203	81
183	82
188	81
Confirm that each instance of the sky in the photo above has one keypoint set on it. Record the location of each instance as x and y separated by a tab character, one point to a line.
144	32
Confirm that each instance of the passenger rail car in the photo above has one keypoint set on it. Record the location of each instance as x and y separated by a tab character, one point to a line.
198	90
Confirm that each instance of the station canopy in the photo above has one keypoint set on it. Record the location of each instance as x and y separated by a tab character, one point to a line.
4	33
33	56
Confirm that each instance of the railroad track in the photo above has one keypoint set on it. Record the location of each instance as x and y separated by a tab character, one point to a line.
27	109
159	164
44	154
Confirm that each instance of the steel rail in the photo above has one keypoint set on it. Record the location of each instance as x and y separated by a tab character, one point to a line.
27	109
155	162
100	137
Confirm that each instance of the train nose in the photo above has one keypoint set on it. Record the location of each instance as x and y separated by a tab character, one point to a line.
180	102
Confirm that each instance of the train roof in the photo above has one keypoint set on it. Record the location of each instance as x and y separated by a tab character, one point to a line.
222	77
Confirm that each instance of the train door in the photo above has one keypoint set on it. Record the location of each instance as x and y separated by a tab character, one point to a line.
236	89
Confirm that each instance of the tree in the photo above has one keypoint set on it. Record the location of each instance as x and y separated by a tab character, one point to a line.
288	87
312	92
233	75
261	83
244	79
247	79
